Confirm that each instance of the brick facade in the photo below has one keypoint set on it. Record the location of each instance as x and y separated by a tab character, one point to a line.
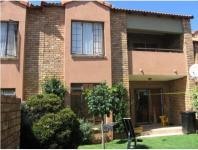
44	47
120	72
189	55
10	122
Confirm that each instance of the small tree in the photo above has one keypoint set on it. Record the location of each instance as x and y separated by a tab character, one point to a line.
195	98
99	103
54	86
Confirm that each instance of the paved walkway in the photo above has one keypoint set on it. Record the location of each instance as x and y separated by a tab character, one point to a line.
156	130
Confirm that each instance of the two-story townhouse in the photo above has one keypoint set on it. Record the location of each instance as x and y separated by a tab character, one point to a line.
88	42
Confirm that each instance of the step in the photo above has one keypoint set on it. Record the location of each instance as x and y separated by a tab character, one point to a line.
159	135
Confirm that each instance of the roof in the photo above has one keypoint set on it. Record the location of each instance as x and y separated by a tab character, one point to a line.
129	11
142	12
65	2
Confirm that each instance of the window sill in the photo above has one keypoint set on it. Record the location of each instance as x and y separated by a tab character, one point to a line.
8	58
88	57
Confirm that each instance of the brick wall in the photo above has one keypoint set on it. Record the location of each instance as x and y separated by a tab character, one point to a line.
44	47
189	55
10	122
119	48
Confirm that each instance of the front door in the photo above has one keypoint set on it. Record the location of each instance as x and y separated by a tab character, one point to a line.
142	106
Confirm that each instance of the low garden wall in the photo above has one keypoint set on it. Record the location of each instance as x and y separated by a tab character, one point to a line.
10	122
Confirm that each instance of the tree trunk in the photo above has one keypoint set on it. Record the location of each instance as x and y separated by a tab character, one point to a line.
102	134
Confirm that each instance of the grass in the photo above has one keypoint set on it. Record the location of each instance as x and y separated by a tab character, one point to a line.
169	142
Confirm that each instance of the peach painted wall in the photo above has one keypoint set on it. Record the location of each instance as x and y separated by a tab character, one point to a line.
87	70
12	69
156	63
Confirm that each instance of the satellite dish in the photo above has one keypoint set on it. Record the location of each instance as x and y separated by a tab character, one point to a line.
193	71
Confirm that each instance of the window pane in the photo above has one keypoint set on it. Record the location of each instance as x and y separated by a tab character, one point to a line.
87	38
12	39
3	38
98	39
76	37
8	92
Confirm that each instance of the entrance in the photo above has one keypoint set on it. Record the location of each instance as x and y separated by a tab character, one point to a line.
148	105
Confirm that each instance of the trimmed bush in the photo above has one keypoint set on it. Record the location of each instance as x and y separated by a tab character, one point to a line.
195	98
58	130
38	105
54	86
86	130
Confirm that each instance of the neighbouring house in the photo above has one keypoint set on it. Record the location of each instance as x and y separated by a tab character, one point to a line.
86	42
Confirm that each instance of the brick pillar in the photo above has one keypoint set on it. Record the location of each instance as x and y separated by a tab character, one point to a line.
120	71
189	54
44	47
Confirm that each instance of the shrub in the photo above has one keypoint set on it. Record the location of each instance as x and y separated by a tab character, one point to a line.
58	130
38	105
119	105
86	130
195	98
27	138
54	86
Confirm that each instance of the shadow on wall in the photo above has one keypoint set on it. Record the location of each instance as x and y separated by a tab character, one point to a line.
43	37
177	100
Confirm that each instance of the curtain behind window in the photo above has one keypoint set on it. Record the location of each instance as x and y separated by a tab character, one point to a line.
11	47
8	39
77	38
87	38
3	31
98	39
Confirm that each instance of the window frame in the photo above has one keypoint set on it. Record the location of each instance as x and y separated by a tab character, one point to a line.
88	55
16	38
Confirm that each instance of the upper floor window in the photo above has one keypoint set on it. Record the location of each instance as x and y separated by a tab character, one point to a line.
87	38
8	39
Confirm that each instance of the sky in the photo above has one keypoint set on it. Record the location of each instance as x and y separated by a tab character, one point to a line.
175	7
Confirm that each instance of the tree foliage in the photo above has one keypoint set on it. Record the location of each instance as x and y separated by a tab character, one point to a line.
38	105
99	100
102	100
55	86
119	104
46	123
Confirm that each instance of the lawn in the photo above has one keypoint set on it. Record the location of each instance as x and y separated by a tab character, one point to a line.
169	142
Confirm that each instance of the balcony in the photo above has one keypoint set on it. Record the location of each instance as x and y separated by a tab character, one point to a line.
156	65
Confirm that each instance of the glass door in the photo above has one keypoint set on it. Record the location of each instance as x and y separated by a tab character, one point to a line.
142	105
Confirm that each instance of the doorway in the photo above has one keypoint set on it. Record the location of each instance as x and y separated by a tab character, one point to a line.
148	105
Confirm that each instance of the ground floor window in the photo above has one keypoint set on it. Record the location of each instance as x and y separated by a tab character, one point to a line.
78	103
8	92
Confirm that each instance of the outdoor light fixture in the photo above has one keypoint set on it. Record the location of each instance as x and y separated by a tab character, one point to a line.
175	71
